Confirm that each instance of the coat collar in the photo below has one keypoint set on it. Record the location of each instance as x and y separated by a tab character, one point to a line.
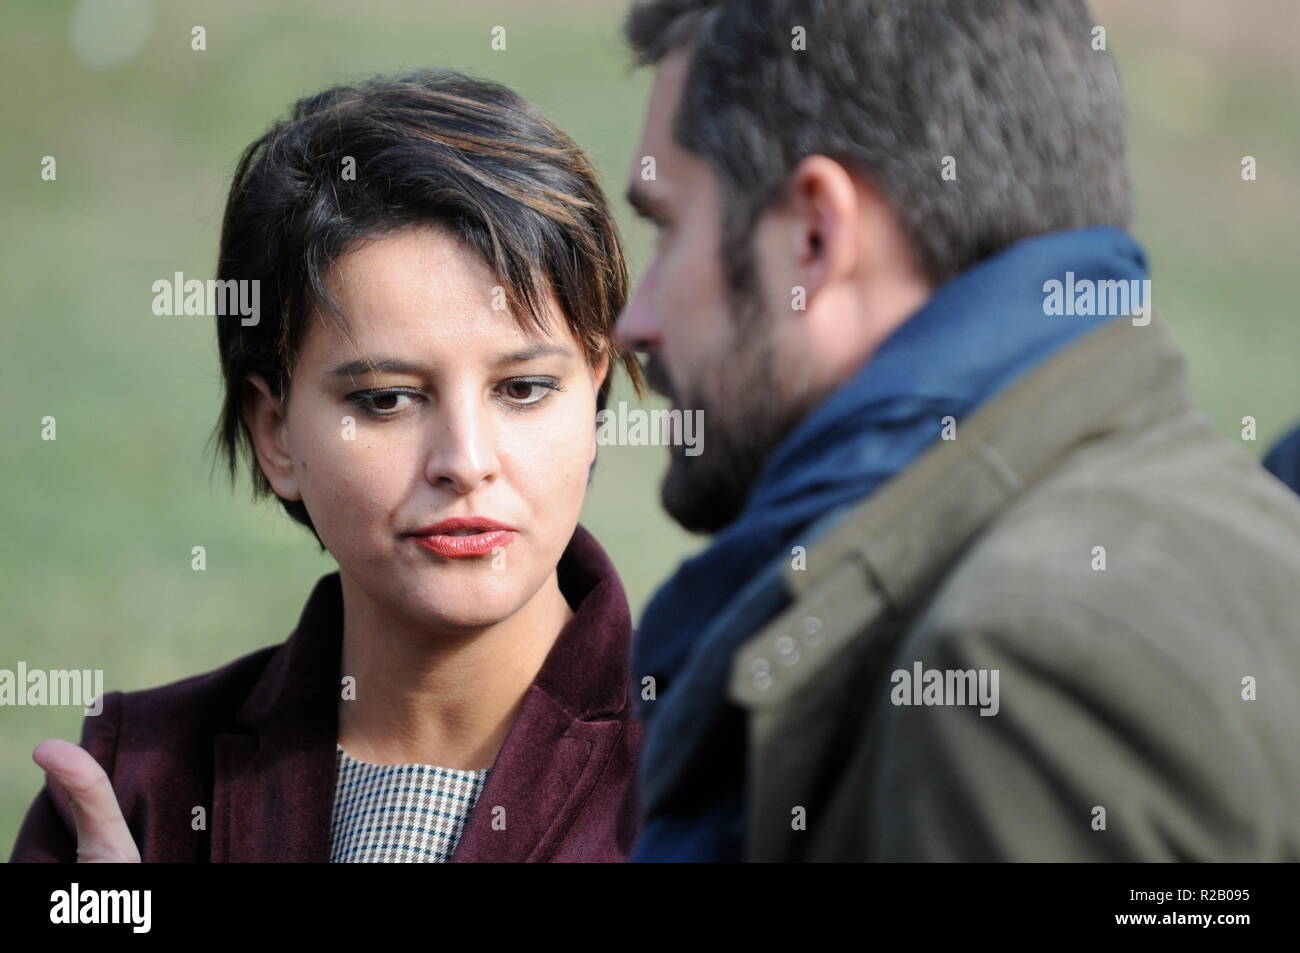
882	557
274	775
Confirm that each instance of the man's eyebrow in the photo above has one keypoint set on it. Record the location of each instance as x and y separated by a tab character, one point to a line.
645	204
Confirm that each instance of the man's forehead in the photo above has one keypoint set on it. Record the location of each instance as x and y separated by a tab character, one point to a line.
666	93
657	140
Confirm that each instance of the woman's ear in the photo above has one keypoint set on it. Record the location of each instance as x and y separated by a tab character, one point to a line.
264	415
598	375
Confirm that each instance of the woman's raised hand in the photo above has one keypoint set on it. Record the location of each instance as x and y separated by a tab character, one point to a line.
102	834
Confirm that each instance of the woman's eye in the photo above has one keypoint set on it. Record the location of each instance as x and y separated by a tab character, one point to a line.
382	403
527	391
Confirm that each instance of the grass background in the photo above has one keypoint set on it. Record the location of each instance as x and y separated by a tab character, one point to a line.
98	525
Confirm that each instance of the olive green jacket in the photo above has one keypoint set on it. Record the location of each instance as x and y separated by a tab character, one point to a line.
1132	579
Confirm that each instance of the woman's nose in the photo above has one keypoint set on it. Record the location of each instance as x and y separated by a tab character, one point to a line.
463	456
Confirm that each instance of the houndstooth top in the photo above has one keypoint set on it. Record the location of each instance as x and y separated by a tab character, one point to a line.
399	813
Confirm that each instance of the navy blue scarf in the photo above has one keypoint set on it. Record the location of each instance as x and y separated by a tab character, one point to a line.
976	334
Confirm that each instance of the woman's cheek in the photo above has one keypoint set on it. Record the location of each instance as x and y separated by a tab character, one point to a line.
346	481
542	464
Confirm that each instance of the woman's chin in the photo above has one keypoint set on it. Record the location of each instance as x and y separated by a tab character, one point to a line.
466	603
450	595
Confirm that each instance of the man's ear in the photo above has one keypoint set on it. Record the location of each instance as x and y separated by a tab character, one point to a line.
826	210
264	415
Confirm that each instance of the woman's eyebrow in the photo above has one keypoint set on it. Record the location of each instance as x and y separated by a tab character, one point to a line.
393	365
532	353
387	365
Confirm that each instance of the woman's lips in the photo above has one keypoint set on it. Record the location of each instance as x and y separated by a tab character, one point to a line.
476	544
463	536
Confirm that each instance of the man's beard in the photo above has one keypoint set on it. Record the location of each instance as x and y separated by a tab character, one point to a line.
706	492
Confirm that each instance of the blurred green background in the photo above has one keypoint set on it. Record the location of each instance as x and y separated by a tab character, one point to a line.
98	525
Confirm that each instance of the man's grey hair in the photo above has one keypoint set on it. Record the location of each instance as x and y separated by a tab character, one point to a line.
1013	91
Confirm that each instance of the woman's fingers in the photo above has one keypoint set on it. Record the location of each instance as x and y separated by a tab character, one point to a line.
102	834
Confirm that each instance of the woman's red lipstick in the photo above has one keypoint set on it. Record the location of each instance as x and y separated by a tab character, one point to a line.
463	536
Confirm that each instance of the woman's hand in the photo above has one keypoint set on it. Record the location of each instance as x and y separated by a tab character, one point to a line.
102	834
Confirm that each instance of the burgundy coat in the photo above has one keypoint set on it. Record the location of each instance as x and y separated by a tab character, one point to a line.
253	743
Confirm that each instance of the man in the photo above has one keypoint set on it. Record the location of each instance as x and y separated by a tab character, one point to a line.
983	583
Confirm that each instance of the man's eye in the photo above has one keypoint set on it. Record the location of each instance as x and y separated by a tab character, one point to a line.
381	403
527	391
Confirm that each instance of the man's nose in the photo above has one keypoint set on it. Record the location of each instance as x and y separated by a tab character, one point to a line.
464	452
638	326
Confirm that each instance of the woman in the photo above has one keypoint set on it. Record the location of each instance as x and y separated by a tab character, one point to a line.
439	279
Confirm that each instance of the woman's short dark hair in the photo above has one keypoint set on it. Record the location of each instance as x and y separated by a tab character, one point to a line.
429	147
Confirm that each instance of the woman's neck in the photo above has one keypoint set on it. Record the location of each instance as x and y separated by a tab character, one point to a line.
439	698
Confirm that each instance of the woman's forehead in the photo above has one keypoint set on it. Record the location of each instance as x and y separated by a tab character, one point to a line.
418	340
422	287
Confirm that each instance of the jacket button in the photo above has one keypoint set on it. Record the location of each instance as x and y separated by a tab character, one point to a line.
761	674
787	650
812	630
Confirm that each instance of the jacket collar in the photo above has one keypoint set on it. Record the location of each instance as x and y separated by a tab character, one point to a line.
882	556
274	775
